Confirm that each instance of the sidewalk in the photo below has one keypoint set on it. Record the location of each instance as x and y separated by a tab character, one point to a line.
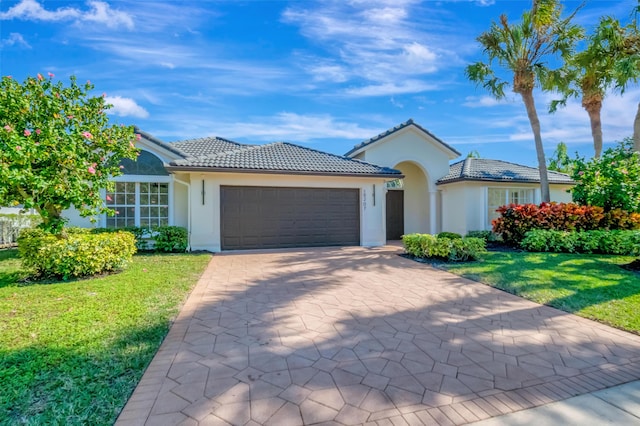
619	405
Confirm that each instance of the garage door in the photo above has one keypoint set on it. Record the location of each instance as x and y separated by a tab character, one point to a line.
265	217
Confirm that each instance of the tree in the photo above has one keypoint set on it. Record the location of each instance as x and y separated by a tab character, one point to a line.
57	148
612	181
560	161
523	49
473	154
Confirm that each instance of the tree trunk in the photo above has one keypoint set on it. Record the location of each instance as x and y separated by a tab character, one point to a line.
527	98
636	131
593	109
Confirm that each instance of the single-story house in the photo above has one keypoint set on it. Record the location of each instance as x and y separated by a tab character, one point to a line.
236	196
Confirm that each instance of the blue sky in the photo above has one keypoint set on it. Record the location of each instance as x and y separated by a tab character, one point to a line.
325	74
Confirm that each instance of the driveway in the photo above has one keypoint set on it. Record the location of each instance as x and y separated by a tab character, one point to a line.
356	335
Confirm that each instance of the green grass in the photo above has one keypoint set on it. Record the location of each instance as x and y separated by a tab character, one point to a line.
592	286
72	352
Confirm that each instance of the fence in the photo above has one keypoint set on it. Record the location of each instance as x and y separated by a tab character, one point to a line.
11	225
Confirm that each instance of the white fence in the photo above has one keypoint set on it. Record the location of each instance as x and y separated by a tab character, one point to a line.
11	225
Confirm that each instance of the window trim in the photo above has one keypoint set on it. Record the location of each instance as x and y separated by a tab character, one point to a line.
507	189
138	179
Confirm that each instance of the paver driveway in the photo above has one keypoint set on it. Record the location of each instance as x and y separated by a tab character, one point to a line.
356	335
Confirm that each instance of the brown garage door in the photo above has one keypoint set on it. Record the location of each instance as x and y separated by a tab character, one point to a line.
265	217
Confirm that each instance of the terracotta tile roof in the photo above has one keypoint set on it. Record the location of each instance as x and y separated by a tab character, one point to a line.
395	129
481	169
282	157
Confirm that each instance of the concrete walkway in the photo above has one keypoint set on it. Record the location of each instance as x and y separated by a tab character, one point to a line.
357	336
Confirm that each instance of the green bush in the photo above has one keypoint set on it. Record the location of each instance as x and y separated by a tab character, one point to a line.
488	236
450	249
449	235
172	239
620	242
75	252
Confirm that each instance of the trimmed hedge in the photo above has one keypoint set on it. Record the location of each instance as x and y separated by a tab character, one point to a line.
449	249
518	219
169	239
618	242
75	253
449	235
488	236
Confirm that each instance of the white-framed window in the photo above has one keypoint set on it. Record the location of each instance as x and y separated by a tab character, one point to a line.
498	197
144	204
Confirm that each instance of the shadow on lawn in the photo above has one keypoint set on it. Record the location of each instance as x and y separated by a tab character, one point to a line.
75	385
584	280
366	329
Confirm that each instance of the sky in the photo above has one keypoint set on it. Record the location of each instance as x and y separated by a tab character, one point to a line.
324	74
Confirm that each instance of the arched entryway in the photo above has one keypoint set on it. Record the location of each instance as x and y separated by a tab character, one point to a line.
409	203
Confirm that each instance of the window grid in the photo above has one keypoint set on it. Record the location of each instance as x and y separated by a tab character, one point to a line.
144	204
498	197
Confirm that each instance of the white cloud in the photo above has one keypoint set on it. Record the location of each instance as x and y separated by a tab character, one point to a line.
15	39
376	45
99	12
126	107
389	89
485	101
287	126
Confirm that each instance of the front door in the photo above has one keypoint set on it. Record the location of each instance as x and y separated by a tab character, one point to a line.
395	214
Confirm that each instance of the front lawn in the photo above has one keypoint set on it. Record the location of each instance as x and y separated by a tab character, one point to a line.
72	353
592	286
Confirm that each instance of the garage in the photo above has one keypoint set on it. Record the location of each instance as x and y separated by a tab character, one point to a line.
254	217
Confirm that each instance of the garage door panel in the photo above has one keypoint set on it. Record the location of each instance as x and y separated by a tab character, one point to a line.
265	217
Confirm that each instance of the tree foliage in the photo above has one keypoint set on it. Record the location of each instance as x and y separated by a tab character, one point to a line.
523	49
57	148
612	181
608	61
560	161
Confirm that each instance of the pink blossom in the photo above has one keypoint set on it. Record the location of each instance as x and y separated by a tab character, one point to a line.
91	170
121	167
9	77
38	131
8	128
37	144
109	198
624	171
104	95
18	147
69	117
88	81
138	137
580	173
87	135
40	77
131	145
117	212
51	75
27	132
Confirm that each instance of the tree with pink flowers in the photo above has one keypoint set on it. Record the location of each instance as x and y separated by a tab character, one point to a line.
57	148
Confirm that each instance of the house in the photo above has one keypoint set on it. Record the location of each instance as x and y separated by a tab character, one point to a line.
235	196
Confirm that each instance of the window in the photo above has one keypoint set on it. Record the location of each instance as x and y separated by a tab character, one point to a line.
143	204
498	197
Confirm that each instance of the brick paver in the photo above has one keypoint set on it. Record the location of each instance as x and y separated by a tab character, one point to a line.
356	335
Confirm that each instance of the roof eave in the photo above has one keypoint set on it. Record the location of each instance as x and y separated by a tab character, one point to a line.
173	168
467	179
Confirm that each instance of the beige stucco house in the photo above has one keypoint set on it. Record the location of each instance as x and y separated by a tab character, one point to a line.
236	196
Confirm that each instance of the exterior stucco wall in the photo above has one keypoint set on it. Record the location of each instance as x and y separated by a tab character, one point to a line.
465	204
410	144
180	204
416	199
205	213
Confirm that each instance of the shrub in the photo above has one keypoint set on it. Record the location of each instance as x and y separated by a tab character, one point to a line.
618	242
75	252
449	235
488	236
172	239
450	249
516	220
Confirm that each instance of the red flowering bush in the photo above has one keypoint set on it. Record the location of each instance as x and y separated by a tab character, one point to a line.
517	219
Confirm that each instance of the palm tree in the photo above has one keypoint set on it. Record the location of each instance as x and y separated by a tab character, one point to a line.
610	60
523	49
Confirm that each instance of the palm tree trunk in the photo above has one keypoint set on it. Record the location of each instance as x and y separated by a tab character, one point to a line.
527	98
636	131
594	110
